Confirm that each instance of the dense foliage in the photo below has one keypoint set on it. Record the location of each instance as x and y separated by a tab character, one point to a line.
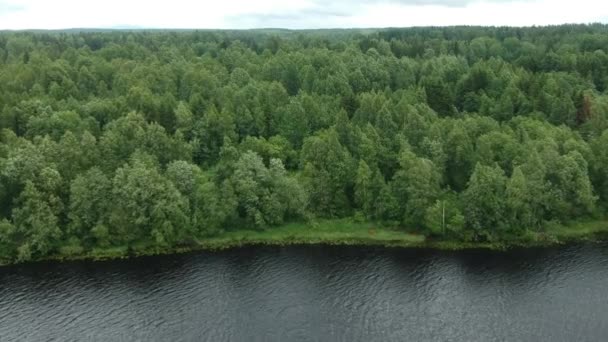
165	138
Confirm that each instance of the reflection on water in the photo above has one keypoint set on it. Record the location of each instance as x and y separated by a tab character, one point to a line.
314	294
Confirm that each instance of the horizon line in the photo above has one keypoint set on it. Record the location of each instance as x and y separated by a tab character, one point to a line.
135	28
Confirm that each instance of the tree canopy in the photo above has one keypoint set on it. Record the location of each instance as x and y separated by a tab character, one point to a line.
118	138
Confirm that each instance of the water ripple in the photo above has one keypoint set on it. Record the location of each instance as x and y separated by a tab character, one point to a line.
313	294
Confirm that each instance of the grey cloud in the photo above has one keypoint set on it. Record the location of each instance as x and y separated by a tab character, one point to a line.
324	11
446	3
6	7
292	19
291	16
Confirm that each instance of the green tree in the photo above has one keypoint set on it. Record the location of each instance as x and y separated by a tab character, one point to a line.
328	173
293	123
265	195
519	203
90	203
571	192
209	205
36	222
444	218
364	197
146	206
484	200
209	133
7	243
416	186
184	120
599	169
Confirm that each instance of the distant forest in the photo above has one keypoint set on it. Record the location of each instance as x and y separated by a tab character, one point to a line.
463	133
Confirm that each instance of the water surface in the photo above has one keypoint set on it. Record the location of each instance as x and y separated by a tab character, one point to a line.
314	293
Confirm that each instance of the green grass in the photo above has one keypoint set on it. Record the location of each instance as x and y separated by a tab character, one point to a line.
340	232
588	230
321	232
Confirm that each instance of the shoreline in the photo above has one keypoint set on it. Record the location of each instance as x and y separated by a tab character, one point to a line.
336	233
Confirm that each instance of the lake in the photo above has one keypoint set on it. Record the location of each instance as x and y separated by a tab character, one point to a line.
314	293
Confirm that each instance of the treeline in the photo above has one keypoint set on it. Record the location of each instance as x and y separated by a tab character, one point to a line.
166	138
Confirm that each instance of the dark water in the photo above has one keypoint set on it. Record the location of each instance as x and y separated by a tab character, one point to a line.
314	294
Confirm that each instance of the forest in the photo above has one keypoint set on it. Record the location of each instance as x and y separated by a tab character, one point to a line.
168	138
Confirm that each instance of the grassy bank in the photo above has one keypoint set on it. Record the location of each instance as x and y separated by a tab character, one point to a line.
580	231
343	232
340	232
346	232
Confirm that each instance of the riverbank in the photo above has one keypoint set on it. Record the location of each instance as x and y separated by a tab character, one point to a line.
339	232
346	232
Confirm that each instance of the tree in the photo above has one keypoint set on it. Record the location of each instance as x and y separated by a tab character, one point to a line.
265	195
209	205
293	123
599	169
145	205
519	203
209	133
364	197
440	98
483	200
571	190
328	173
416	186
444	218
149	141
277	147
37	229
130	133
90	203
387	207
184	120
7	244
76	154
460	151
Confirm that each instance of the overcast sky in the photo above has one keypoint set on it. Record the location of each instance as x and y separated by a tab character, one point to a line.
240	14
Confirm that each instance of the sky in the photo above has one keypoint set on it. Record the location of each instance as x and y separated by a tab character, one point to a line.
294	14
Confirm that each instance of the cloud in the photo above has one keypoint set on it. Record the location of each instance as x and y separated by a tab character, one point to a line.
445	3
312	9
7	7
303	18
294	14
405	13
